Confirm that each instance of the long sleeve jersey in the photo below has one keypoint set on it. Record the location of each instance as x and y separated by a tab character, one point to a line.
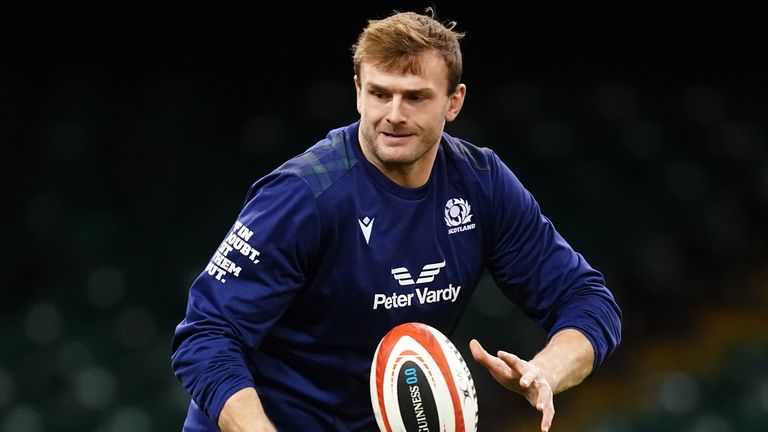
327	255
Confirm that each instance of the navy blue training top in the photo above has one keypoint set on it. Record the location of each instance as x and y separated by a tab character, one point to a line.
327	254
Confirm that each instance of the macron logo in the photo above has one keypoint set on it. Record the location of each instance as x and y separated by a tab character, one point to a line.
366	225
427	274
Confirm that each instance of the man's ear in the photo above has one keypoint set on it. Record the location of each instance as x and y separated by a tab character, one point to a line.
455	102
358	93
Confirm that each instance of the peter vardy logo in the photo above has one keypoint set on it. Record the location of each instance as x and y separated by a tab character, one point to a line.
423	295
458	215
428	273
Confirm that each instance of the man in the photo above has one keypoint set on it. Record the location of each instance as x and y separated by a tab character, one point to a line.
329	249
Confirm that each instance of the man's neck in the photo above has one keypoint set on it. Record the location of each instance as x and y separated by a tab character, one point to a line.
409	176
412	175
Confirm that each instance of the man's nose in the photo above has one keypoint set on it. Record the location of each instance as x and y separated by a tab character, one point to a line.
395	114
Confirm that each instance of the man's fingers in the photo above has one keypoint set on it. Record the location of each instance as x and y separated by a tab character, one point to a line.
493	364
477	350
545	405
482	356
548	413
498	368
528	378
516	364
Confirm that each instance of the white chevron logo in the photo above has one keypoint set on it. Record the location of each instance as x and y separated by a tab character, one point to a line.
366	225
428	273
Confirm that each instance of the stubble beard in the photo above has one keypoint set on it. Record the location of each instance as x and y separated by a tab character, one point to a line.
425	144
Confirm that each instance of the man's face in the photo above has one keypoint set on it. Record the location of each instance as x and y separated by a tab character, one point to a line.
403	115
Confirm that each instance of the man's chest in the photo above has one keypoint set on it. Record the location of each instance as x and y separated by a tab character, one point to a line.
392	260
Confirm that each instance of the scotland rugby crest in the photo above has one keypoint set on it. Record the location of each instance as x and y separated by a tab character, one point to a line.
458	215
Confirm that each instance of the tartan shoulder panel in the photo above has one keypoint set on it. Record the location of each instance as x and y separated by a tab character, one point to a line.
323	163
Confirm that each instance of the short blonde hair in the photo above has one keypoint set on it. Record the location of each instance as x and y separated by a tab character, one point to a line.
395	42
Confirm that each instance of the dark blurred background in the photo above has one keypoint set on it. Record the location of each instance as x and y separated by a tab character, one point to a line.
130	135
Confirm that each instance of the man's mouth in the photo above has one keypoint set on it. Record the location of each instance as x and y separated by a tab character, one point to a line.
396	135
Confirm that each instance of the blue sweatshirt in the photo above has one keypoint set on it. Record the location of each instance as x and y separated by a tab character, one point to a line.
327	254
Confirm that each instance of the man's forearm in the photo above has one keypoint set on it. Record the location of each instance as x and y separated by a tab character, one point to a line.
566	360
243	412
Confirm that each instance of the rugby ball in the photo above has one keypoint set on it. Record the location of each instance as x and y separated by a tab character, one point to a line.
420	382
